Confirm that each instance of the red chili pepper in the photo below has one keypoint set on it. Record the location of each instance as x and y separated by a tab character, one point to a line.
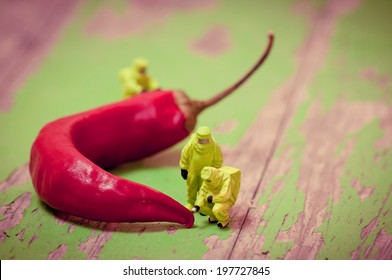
69	156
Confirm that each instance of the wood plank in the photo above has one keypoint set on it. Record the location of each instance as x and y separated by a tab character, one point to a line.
296	207
316	166
262	140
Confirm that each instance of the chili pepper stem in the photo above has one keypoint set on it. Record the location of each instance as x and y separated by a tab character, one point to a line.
191	108
204	104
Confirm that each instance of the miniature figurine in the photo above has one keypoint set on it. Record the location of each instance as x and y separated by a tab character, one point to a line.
199	152
135	79
218	193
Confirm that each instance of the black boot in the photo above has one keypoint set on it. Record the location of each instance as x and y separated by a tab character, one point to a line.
221	226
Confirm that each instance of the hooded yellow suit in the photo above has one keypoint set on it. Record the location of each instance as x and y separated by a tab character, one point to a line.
200	151
223	185
135	79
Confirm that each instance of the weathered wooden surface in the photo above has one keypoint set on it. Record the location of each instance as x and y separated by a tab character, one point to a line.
27	34
312	131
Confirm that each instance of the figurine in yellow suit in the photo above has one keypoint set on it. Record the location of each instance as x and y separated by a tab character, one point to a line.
135	79
218	193
200	151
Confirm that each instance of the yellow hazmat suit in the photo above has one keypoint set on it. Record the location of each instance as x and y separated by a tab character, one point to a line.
218	193
200	151
135	79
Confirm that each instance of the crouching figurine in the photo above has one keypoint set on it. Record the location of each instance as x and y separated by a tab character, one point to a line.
135	79
218	193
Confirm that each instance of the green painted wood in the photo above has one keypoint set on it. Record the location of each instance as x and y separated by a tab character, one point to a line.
311	131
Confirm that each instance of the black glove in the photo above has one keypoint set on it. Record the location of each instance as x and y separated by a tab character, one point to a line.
209	198
184	173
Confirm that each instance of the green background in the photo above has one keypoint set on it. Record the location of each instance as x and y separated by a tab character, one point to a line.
80	72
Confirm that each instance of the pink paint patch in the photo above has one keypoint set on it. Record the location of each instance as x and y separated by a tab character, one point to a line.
141	231
60	221
363	191
215	41
13	213
71	228
305	7
386	125
384	80
34	238
371	74
18	177
58	253
368	74
381	249
227	127
343	7
212	242
20	235
141	15
171	230
94	244
383	245
367	230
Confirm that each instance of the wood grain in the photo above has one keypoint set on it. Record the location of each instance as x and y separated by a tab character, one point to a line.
261	141
316	161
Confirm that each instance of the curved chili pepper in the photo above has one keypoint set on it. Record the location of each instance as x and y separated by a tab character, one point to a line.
69	156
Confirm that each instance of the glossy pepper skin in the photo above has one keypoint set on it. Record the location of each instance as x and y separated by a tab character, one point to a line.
69	157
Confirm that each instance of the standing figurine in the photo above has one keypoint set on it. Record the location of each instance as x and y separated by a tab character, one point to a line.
218	193
135	79
199	152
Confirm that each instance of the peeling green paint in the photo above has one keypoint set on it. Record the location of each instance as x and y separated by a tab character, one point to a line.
282	213
80	73
344	223
342	230
285	205
42	234
293	139
266	195
182	244
344	74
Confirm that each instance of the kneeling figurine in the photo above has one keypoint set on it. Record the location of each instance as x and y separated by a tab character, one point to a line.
218	193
